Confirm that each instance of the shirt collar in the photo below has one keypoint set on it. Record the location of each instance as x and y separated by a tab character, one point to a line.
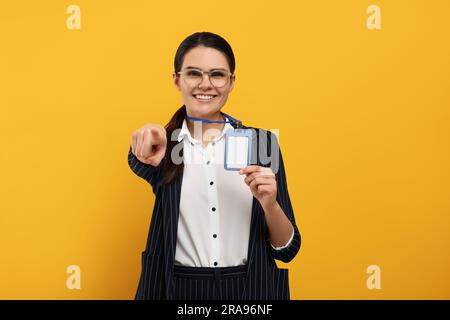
184	132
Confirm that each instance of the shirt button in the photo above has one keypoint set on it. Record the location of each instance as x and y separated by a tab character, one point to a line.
213	143
213	209
214	235
215	263
208	162
211	183
192	143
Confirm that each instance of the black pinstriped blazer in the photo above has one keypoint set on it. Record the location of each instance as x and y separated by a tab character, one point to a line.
264	280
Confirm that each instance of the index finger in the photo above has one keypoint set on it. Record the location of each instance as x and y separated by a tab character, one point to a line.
157	133
250	169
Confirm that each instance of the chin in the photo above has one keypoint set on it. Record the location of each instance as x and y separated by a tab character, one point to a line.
202	110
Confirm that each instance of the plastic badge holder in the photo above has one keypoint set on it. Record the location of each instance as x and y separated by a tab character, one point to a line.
238	146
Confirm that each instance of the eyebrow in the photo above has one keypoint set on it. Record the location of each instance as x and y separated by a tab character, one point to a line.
190	67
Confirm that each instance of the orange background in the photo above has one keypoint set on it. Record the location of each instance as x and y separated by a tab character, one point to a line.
363	117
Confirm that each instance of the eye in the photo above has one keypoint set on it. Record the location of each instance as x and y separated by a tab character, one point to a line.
193	73
218	74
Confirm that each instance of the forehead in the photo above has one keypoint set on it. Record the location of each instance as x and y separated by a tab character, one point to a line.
205	58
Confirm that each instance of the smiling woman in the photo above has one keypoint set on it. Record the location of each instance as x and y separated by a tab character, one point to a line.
200	60
208	238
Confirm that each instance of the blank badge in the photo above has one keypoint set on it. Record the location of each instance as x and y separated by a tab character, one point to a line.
238	146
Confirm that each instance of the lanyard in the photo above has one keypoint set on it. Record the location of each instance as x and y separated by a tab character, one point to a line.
230	118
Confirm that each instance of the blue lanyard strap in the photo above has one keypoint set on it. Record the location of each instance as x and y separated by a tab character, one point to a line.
230	118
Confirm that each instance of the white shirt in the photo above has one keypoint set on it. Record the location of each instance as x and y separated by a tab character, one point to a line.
215	207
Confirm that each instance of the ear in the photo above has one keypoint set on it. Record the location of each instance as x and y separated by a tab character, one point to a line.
175	81
233	79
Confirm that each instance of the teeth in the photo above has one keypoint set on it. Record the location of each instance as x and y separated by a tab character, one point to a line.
203	97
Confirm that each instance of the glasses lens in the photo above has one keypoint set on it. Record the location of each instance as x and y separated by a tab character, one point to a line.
219	78
193	77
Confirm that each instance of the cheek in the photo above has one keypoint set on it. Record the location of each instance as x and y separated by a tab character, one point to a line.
187	96
223	99
223	94
185	90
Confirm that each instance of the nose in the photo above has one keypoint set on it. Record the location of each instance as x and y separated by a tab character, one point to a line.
207	83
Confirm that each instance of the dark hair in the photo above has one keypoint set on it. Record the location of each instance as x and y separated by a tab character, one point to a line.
172	171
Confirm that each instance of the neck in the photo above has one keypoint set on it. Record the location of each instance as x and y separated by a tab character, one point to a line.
204	131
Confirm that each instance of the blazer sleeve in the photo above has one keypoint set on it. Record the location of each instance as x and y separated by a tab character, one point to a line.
288	253
149	173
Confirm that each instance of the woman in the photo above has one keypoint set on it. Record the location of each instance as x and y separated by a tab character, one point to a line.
214	233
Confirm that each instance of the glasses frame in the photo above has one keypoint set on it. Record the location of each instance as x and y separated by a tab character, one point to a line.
209	75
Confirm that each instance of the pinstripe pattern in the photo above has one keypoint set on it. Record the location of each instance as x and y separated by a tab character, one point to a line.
192	283
205	289
263	280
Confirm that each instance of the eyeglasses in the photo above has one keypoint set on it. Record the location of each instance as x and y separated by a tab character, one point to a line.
194	77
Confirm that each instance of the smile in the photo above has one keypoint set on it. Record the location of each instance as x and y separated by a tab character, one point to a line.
204	97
